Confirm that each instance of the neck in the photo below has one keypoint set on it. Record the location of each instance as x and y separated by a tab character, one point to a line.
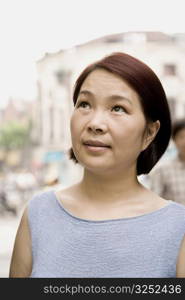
103	188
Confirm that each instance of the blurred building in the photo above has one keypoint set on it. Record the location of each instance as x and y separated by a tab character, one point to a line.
57	73
17	110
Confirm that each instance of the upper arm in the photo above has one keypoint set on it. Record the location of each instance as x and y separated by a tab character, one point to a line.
21	261
180	272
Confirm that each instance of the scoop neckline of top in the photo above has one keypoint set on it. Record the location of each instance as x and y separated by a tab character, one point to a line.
139	217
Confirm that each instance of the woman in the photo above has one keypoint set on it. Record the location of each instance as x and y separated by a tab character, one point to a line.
108	224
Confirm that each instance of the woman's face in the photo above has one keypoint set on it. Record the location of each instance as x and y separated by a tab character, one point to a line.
107	110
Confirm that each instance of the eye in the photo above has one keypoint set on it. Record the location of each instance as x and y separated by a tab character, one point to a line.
119	108
83	104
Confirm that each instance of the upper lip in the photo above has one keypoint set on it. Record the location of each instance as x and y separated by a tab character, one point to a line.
95	143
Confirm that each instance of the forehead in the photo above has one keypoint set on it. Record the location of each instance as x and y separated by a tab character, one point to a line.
105	84
101	79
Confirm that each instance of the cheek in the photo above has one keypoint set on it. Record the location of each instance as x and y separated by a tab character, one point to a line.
131	137
72	123
73	128
76	127
128	133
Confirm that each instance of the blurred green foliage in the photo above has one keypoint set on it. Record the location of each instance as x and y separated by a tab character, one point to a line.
14	135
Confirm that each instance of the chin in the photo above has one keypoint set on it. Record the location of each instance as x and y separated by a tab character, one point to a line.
98	167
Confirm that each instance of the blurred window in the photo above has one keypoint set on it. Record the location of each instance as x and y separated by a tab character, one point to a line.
61	76
170	69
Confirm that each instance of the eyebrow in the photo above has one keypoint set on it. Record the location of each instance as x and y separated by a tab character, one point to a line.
111	97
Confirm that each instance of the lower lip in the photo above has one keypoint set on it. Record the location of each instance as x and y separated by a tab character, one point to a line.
96	149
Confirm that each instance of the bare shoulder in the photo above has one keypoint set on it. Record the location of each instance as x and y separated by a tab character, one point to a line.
180	271
161	202
70	193
155	201
21	260
71	199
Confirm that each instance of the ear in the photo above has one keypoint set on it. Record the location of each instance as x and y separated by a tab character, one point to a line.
151	131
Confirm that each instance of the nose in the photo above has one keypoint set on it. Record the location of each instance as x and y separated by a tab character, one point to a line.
97	123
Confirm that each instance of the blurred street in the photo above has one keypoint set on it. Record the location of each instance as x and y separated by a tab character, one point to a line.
8	228
15	191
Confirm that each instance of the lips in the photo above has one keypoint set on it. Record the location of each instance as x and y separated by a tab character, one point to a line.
95	143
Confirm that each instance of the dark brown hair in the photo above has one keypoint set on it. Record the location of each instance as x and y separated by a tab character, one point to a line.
153	101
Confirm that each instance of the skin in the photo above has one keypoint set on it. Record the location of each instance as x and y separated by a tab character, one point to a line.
109	110
180	271
179	141
21	262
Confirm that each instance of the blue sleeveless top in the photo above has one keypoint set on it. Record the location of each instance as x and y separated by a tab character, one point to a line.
67	246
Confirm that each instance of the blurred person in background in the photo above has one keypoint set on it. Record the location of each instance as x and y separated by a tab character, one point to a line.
5	204
168	179
52	181
108	224
26	184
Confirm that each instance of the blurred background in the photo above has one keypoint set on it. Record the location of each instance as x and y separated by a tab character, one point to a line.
44	46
